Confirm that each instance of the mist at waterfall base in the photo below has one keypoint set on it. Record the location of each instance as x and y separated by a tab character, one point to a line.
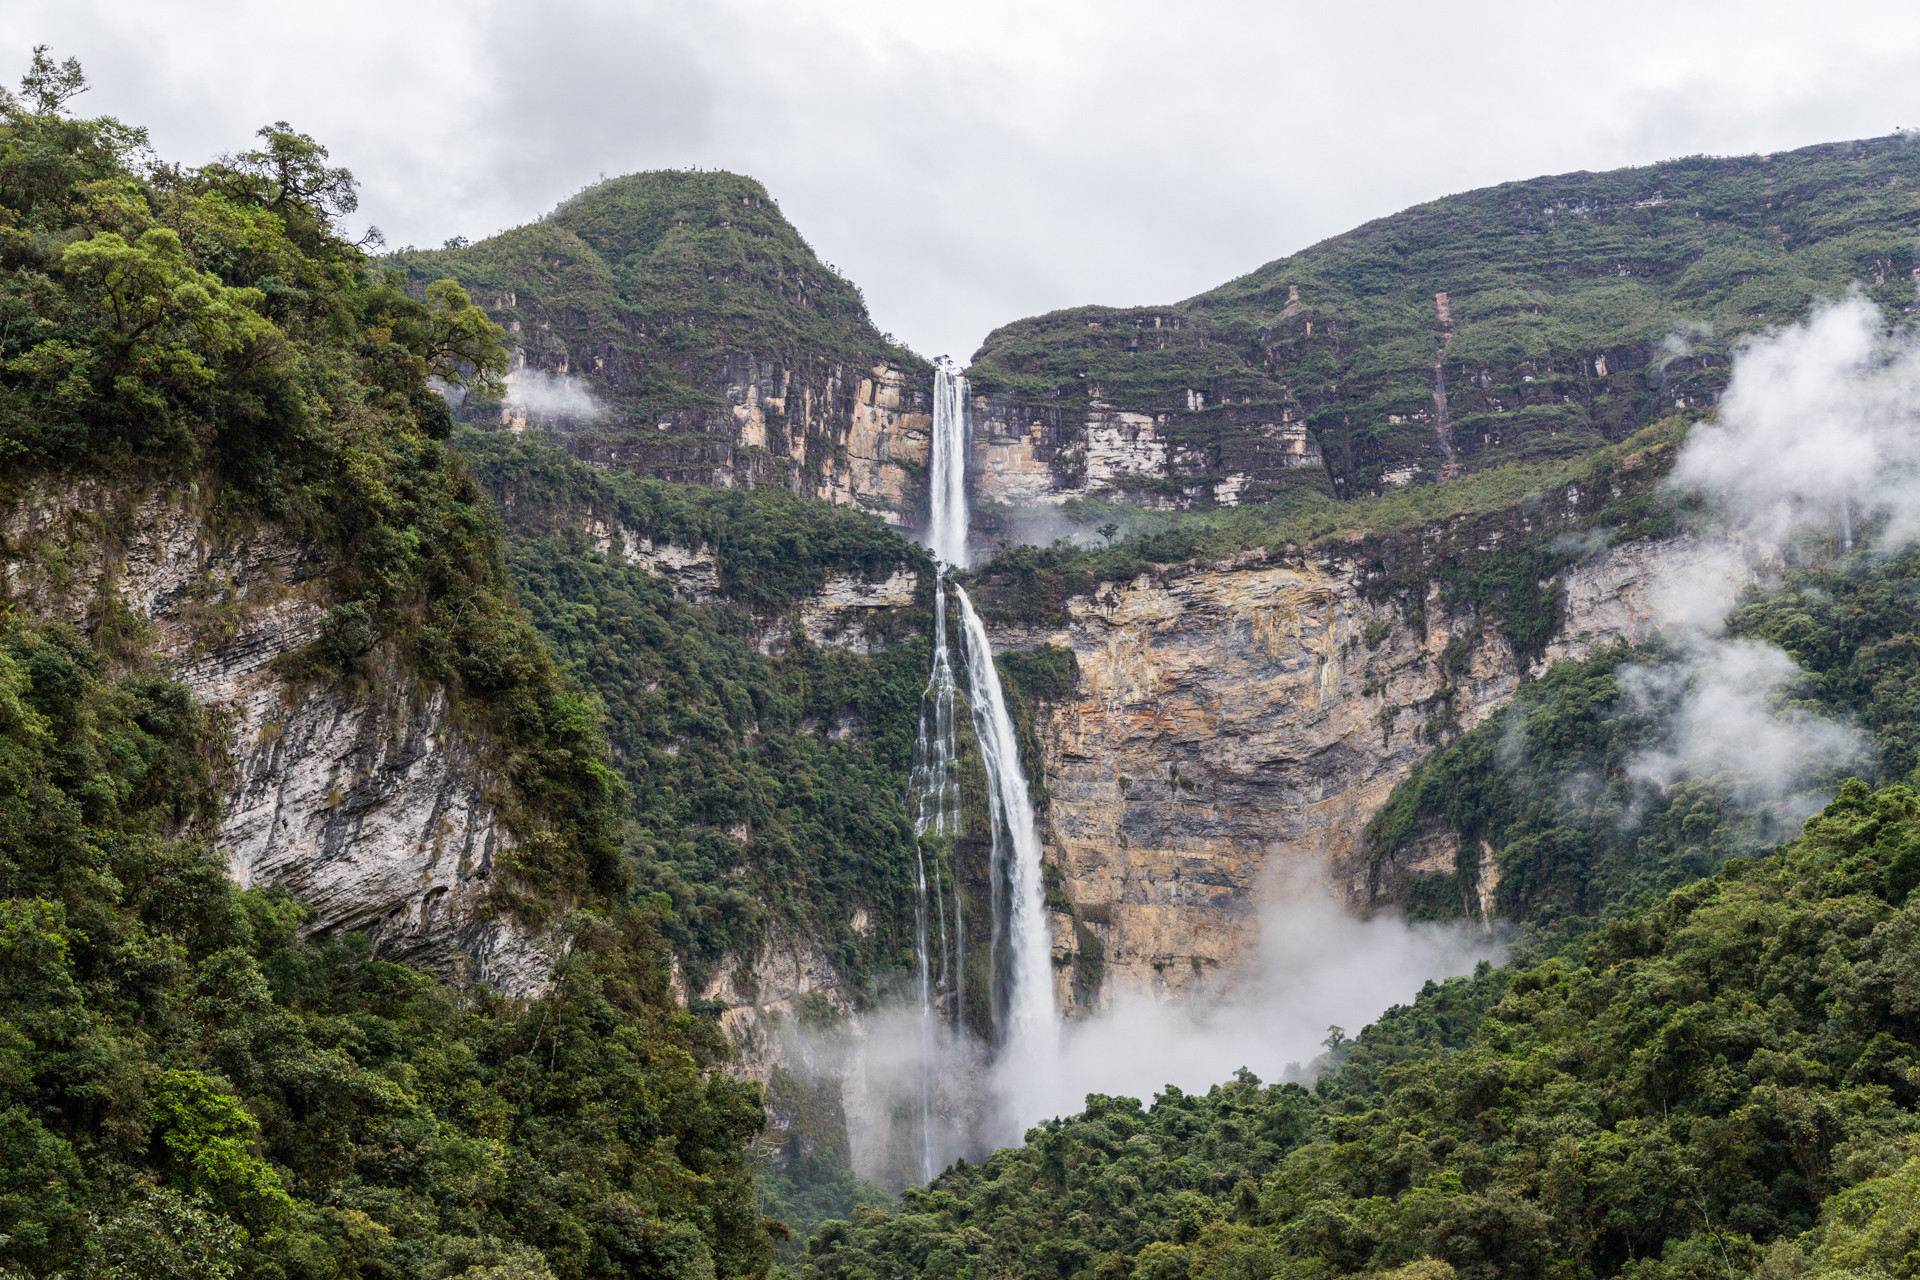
1316	966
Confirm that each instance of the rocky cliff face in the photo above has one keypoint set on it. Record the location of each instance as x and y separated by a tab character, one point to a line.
677	324
854	436
1236	720
370	804
1028	454
1464	333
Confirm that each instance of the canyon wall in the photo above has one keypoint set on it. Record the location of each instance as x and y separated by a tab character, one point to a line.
1028	454
1235	719
369	803
677	325
853	436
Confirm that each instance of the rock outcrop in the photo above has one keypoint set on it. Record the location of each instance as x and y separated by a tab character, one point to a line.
858	437
676	324
1035	455
371	804
1234	720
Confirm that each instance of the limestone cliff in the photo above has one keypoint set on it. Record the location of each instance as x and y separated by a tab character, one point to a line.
1251	715
1532	319
1028	455
370	803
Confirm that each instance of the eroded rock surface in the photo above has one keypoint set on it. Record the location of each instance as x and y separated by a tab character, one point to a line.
1035	455
369	804
1234	720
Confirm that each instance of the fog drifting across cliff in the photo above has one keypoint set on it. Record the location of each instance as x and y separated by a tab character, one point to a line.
547	395
1816	448
1819	429
1317	966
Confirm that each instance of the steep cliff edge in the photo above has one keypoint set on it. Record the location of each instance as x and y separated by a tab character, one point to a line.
1240	713
1250	717
372	801
1530	320
676	325
272	722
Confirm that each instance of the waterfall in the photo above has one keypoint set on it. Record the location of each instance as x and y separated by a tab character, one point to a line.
1023	985
936	772
936	786
947	478
1020	952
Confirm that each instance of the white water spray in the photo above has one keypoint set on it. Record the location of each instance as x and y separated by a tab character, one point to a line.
936	773
936	786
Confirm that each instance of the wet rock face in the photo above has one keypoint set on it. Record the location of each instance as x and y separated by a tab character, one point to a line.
1236	721
370	804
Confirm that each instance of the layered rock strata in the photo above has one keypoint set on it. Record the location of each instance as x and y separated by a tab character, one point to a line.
857	437
1237	720
1027	455
370	805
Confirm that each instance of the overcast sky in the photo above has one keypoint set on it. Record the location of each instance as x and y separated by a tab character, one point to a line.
970	163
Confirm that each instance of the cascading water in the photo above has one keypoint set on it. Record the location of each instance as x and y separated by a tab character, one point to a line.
936	784
1023	977
1021	980
936	774
947	467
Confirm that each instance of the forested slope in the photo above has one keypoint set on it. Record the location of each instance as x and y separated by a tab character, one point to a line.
1703	1059
1719	1081
677	324
190	1085
768	782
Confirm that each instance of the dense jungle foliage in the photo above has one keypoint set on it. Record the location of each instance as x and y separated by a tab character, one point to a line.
188	1088
212	331
1722	1082
768	780
1547	781
1577	309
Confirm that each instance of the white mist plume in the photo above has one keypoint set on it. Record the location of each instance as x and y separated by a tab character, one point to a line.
1819	427
548	395
1316	966
1819	430
1725	719
1679	344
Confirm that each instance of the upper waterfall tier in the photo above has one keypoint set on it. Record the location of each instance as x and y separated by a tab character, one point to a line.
947	465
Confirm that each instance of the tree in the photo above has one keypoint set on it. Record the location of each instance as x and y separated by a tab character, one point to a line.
49	86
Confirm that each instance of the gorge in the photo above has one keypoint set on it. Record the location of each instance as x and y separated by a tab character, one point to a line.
576	755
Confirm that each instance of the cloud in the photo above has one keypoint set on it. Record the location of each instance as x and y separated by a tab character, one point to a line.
1723	699
544	395
969	162
1819	429
1315	966
1818	433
